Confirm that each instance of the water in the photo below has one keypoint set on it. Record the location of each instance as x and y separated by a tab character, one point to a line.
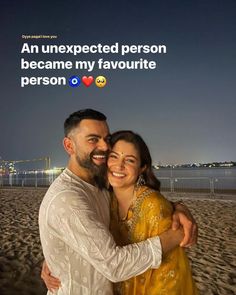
205	179
210	180
196	172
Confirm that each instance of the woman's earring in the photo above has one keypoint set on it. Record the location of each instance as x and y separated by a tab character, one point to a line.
141	181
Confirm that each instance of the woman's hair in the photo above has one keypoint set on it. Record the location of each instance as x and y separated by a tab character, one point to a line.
145	157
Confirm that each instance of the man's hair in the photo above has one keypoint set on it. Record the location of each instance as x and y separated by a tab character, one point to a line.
75	118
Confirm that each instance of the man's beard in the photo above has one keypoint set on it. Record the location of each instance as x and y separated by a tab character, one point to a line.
98	172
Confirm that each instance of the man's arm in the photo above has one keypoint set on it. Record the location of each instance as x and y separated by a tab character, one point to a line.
169	240
77	224
183	217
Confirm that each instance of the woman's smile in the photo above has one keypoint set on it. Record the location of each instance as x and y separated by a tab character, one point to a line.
123	165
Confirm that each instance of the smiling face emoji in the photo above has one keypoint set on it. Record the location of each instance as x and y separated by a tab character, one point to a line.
100	81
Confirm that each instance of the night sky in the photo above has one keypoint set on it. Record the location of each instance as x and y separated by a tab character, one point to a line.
185	109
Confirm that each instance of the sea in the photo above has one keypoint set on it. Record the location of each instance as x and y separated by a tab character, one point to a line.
198	178
211	180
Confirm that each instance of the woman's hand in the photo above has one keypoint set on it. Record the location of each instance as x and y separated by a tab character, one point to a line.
51	282
183	217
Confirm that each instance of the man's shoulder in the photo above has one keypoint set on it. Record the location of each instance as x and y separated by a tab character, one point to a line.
65	186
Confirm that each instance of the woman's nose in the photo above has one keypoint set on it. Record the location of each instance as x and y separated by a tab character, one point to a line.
121	163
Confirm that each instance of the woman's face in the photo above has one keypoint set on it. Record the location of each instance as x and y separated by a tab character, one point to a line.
123	165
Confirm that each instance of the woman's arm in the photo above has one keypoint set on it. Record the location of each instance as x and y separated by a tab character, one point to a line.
50	281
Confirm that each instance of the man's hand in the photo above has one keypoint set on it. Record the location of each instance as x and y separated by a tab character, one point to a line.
171	239
51	282
183	217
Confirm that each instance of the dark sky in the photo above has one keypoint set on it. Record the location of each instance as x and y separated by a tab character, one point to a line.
185	109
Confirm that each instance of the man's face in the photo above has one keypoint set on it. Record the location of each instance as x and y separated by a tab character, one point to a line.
90	146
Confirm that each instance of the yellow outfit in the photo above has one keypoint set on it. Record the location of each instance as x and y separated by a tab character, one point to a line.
149	216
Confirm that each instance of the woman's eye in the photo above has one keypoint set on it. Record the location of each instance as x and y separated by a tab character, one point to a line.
129	160
112	156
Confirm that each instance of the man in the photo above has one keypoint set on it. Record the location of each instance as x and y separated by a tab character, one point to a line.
74	218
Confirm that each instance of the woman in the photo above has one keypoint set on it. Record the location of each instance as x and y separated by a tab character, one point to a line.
139	211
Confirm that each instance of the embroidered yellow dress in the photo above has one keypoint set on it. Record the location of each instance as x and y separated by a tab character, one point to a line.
149	216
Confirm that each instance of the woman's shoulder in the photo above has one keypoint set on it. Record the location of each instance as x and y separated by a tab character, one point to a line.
151	194
152	198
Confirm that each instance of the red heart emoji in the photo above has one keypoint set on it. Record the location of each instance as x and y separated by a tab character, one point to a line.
87	80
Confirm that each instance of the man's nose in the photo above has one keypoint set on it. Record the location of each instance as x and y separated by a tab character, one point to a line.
102	145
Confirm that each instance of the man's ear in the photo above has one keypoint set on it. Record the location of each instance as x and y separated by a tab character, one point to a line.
68	145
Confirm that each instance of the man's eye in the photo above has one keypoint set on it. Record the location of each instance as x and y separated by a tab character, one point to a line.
108	139
93	140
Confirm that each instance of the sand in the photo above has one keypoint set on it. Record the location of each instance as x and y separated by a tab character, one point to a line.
213	258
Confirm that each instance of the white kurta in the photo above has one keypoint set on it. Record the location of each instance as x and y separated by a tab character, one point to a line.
74	229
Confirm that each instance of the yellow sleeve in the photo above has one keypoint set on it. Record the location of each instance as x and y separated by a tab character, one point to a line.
157	215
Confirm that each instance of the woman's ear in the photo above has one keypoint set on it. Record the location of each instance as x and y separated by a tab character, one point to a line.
142	169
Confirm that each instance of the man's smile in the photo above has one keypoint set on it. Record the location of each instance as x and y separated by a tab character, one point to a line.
99	158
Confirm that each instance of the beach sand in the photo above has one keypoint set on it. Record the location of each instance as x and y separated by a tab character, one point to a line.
213	258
